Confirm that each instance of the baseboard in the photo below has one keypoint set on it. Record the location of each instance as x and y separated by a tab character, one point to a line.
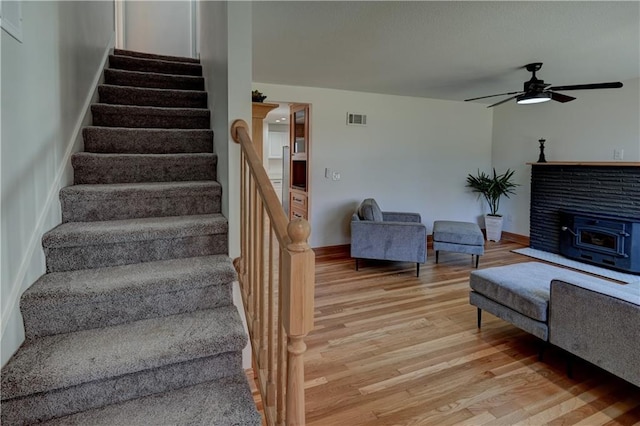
332	250
516	238
11	315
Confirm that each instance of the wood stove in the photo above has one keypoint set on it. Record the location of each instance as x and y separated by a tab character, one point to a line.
608	241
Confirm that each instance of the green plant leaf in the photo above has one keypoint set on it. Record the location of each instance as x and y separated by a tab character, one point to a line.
492	188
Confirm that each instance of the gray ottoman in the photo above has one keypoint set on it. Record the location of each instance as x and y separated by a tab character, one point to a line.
459	237
518	294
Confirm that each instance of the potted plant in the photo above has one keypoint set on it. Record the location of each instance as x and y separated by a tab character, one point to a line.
492	188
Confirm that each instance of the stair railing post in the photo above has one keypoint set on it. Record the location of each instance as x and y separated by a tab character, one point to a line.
298	295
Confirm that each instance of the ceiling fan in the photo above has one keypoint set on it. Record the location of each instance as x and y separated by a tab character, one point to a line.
536	91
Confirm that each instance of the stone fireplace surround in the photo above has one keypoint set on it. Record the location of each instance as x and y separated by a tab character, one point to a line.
611	189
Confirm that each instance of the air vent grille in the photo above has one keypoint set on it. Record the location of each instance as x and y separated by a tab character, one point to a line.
356	119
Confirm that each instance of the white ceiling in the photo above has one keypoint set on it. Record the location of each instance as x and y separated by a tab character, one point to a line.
445	50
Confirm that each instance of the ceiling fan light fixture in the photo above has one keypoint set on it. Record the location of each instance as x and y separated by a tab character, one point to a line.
535	98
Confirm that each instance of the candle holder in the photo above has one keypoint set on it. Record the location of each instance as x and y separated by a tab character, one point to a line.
541	158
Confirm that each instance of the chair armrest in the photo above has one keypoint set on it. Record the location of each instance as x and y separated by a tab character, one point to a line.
597	322
401	217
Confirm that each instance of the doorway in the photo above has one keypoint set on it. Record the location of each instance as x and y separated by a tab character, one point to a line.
160	27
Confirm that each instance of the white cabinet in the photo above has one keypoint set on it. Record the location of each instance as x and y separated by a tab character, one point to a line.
276	141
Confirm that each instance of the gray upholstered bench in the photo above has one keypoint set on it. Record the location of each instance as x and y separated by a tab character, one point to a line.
459	237
594	319
518	294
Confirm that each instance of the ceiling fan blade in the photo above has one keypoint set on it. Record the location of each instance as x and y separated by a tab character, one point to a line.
612	85
491	96
560	97
505	100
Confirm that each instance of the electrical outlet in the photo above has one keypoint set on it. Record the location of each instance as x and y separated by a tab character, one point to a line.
618	153
336	175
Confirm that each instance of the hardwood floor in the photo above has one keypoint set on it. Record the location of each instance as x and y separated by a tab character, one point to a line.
393	349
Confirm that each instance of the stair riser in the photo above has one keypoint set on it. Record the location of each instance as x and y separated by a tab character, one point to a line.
125	96
125	253
79	209
77	315
156	81
160	67
130	170
62	402
131	119
123	52
144	141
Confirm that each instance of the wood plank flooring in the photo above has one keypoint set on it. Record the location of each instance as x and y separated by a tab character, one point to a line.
390	348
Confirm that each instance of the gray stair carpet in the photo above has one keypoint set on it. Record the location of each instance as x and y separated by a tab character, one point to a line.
134	323
89	203
153	80
126	95
154	65
155	117
61	302
131	53
146	141
89	167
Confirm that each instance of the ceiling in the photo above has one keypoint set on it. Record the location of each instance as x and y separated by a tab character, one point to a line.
444	50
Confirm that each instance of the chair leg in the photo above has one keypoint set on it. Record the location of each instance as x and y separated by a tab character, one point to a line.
356	263
569	366
477	260
417	269
543	346
479	317
437	253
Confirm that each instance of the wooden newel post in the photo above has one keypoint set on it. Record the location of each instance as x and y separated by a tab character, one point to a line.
298	294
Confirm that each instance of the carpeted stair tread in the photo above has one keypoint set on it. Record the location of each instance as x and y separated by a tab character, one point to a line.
146	141
98	202
124	52
64	360
150	117
62	302
153	80
226	401
92	168
170	98
73	234
36	408
130	63
86	245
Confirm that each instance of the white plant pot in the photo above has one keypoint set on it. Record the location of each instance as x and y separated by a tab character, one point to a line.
493	226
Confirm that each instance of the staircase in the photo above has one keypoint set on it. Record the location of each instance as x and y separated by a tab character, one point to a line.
133	323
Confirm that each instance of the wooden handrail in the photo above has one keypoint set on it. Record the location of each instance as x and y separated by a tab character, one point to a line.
277	286
240	134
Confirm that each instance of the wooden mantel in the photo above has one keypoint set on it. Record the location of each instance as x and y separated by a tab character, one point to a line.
589	163
259	112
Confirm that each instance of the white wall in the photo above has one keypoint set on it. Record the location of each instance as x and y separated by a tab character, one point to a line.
586	129
413	155
225	52
160	27
47	86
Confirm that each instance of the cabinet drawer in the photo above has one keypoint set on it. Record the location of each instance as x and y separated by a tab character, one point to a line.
298	200
297	213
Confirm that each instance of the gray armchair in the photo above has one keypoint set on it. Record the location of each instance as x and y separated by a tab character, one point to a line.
382	235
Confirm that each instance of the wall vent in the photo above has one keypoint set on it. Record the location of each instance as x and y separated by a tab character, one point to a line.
356	119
